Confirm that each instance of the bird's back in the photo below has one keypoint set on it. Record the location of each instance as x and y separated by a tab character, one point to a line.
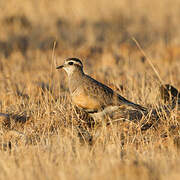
105	95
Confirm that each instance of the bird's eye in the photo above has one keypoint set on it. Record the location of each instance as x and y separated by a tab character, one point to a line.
70	63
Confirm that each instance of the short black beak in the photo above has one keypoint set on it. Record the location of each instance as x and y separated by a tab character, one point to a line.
59	67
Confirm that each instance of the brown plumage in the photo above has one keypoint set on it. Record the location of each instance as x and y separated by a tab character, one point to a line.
91	95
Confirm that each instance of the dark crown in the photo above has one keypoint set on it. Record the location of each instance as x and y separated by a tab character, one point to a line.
74	59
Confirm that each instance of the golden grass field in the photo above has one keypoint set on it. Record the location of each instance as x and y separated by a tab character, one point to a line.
40	135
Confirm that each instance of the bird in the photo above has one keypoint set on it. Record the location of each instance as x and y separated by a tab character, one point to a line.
94	97
170	95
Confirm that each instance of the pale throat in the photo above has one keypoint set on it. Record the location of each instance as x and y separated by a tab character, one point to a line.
69	71
73	71
75	79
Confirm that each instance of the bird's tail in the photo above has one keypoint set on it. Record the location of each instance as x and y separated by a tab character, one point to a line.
137	106
133	105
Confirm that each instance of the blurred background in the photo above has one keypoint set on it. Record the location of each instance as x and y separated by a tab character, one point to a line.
41	126
28	26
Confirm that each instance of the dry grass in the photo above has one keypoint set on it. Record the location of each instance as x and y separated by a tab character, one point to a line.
40	135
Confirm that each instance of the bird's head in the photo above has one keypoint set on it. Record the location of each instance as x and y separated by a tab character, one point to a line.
70	65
